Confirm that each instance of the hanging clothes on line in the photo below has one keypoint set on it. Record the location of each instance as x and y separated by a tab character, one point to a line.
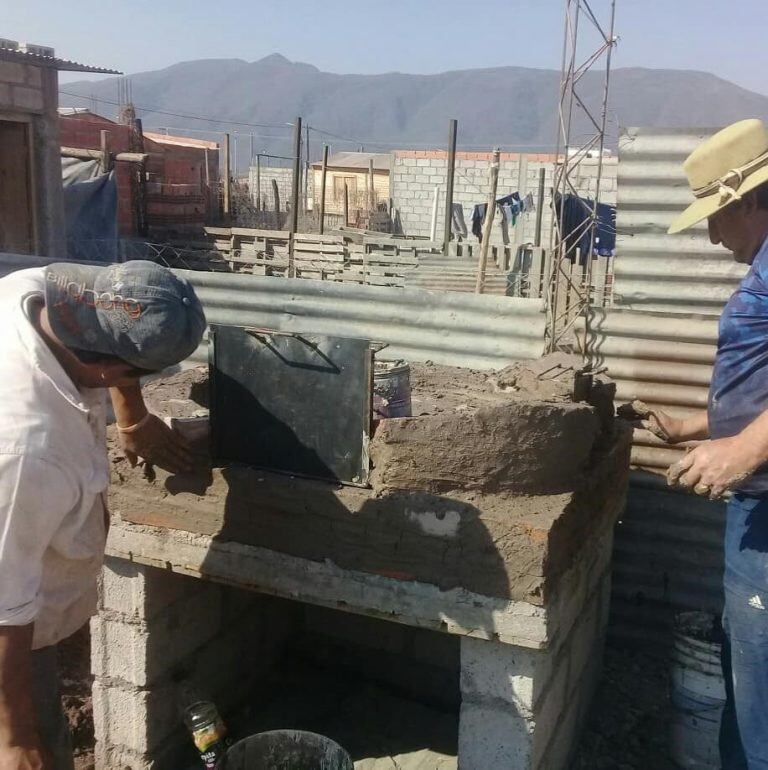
458	225
528	205
511	207
572	213
478	214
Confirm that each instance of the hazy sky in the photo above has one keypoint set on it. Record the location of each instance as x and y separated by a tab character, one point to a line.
725	37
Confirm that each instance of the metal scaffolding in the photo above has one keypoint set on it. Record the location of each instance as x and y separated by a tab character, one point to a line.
570	293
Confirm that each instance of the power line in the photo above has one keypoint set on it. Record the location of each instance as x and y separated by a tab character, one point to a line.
429	145
187	117
375	142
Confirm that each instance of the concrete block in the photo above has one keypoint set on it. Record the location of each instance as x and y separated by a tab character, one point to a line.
422	162
140	653
563	743
584	643
132	718
25	98
5	95
34	77
13	72
139	592
493	737
551	706
504	673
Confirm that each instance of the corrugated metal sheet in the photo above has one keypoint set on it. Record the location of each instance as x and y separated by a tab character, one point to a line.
653	270
65	65
440	273
668	557
455	329
668	547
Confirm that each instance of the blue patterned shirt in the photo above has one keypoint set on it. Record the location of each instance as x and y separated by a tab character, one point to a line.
738	393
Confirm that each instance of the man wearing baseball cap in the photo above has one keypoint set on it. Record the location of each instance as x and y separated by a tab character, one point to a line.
728	174
70	333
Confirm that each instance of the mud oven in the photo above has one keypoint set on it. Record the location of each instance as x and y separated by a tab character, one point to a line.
451	613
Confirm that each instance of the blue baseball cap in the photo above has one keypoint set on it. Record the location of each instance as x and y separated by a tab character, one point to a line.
137	311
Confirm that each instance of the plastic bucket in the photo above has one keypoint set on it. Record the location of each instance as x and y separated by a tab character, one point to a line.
287	750
391	389
698	692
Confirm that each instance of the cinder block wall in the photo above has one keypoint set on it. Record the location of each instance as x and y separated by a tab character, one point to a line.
417	173
160	637
284	179
30	94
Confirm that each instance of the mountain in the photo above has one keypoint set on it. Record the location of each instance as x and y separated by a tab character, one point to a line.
514	107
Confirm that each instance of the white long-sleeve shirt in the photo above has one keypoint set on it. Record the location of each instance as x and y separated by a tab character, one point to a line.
53	477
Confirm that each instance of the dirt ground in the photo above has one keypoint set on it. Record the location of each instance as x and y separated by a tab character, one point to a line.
627	729
75	678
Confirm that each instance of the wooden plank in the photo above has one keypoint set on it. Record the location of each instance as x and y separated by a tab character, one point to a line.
253	232
331	258
330	248
391	259
536	281
357	276
224	232
312	238
373	271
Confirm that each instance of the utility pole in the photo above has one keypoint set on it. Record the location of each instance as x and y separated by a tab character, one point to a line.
452	132
227	181
323	177
539	207
294	195
258	183
306	170
346	205
488	221
296	175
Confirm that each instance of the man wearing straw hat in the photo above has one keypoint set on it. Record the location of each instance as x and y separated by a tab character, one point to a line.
728	174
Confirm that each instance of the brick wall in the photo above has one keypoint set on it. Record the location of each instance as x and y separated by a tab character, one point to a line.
178	198
85	133
417	173
182	196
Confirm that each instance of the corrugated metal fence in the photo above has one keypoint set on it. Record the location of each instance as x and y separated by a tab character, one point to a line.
470	330
668	546
477	331
653	270
658	343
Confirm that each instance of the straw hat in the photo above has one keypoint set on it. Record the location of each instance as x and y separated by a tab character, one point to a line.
724	167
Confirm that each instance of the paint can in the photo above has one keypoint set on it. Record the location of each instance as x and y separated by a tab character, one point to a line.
287	750
391	389
698	691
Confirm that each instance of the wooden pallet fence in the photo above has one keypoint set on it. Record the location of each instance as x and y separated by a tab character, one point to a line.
335	257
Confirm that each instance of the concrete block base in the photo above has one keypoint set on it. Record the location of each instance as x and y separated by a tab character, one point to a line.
523	709
520	708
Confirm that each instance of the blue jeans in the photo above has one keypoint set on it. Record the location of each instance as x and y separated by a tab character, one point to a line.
744	727
54	731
